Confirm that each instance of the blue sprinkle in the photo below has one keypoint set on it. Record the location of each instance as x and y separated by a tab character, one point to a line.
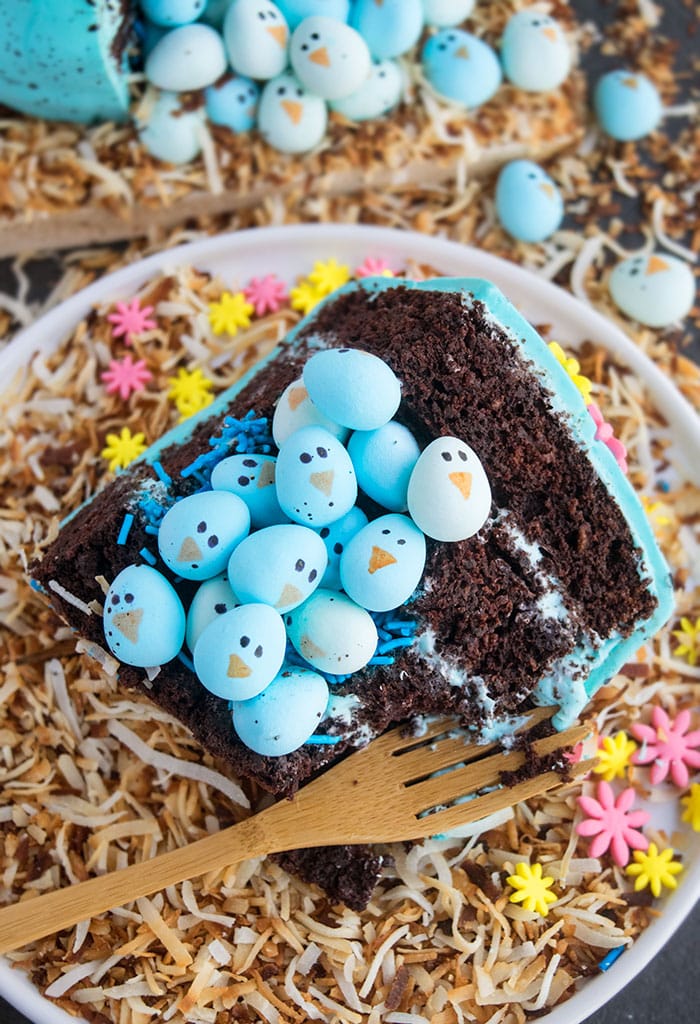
404	627
161	474
148	556
611	957
323	740
393	645
125	527
187	662
36	586
153	530
664	486
380	660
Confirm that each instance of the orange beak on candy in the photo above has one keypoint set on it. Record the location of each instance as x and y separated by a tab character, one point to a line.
462	52
550	33
463	483
290	595
279	34
190	550
379	559
237	668
321	57
655	264
547	189
293	110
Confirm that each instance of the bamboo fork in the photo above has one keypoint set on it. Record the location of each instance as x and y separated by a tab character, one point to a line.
387	792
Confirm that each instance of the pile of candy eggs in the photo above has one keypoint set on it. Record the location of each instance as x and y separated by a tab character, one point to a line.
290	569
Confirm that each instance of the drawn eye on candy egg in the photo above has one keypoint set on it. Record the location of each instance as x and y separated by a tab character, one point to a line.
144	621
315	481
449	496
251	478
279	565
240	652
383	563
198	534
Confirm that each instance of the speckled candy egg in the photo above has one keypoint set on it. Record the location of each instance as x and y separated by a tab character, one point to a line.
390	28
358	389
461	67
655	290
171	13
383	563
289	118
285	715
316	482
144	621
377	95
198	534
252	478
233	104
295	410
213	598
446	12
295	11
256	36
383	461
534	52
280	566
627	105
336	538
190	57
332	633
240	652
449	497
528	203
171	133
329	58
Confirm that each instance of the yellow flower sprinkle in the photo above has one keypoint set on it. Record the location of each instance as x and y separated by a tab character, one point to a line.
614	756
656	512
572	367
328	276
123	448
691	814
533	891
305	297
689	633
190	391
654	869
230	313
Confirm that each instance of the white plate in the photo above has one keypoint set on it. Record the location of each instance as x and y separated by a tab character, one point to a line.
291	251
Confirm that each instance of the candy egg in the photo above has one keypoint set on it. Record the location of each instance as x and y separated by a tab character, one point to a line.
534	52
144	621
329	58
336	537
280	566
233	104
461	67
171	133
627	105
316	482
198	534
332	633
528	203
240	652
358	389
655	290
390	28
383	563
377	95
171	13
256	34
213	598
383	461
289	118
295	410
252	478
295	11
446	12
285	715
449	496
190	57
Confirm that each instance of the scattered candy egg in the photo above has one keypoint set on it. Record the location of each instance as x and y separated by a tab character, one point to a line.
240	652
315	480
289	118
295	11
252	478
627	105
446	12
280	566
383	461
144	621
256	34
198	534
190	57
656	290
377	95
383	563
390	28
172	13
336	537
213	598
358	389
528	203
332	633
171	133
295	410
449	496
233	104
329	58
534	52
283	717
461	67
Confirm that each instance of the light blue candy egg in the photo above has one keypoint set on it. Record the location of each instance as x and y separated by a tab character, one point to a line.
446	12
627	105
534	52
390	28
252	478
383	461
332	633
315	481
377	95
295	410
383	563
336	537
190	57
528	203
449	496
256	37
290	118
240	652
280	566
461	67
213	598
329	58
171	133
233	104
358	389
198	534
144	621
295	11
656	290
283	717
171	13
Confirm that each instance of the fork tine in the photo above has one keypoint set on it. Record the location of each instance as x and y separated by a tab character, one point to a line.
396	740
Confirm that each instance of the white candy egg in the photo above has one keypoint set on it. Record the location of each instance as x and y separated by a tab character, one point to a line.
256	37
657	290
449	496
295	410
289	118
285	715
377	95
330	59
240	652
446	12
332	633
214	597
171	133
190	57
534	52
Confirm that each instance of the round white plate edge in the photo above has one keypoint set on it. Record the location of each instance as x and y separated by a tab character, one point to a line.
351	243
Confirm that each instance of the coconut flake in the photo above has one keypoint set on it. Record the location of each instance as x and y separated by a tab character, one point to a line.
69	598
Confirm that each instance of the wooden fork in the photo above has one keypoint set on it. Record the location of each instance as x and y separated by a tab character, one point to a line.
386	792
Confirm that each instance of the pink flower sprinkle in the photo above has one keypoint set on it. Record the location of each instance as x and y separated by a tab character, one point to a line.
669	746
612	823
373	266
604	433
266	294
126	376
130	320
